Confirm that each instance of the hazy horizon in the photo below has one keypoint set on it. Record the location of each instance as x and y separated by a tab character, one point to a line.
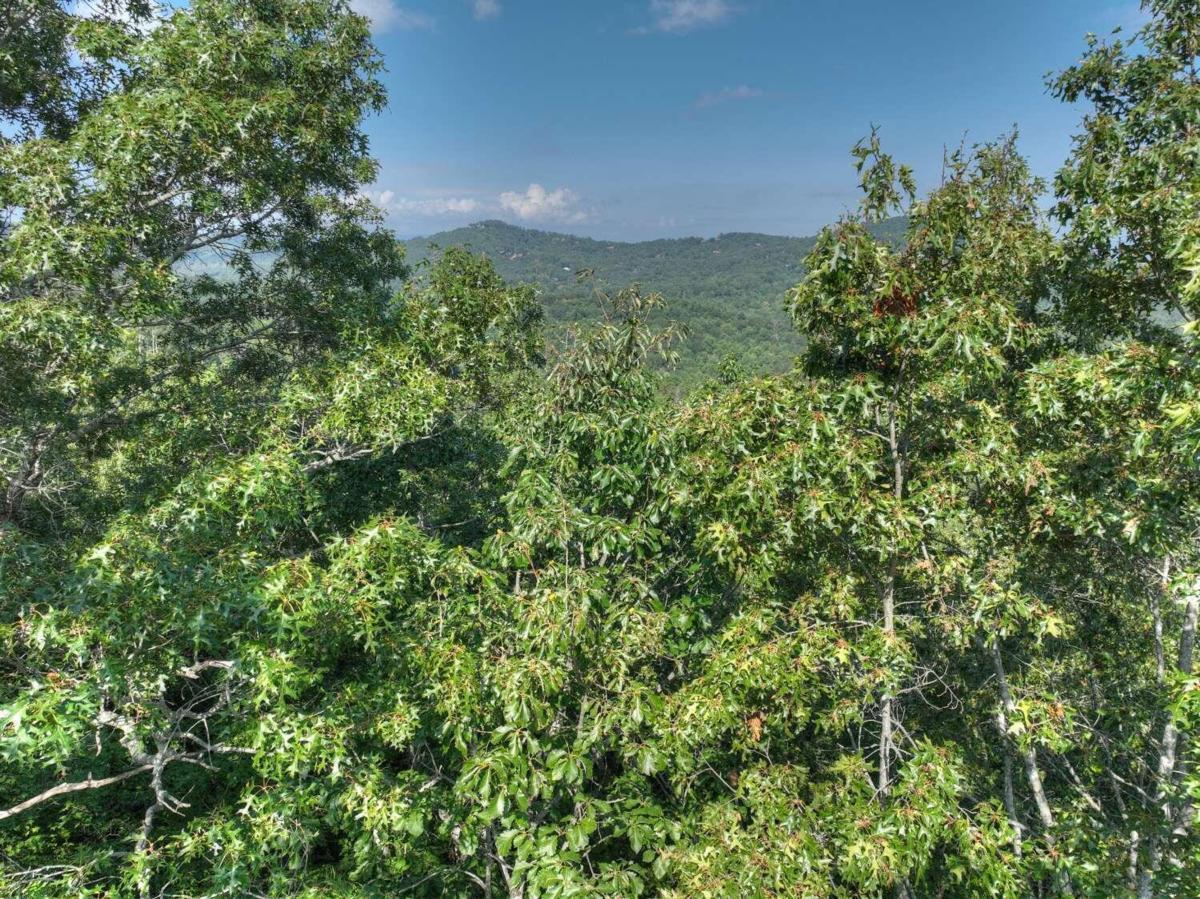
565	230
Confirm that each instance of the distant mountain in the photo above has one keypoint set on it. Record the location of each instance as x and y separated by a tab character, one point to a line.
728	290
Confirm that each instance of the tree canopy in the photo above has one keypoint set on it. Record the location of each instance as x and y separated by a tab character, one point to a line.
315	586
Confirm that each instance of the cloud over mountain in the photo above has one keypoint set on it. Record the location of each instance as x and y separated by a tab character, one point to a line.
538	204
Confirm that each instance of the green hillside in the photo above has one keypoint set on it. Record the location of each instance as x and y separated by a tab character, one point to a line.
728	290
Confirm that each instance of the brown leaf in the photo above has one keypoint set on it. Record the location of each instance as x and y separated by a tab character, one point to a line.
755	723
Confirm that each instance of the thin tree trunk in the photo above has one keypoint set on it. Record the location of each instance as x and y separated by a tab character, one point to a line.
1131	876
1010	803
886	738
888	713
1168	757
1156	611
1145	888
1007	707
885	732
1032	774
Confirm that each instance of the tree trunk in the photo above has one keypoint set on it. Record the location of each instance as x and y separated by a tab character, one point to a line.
1169	767
888	600
1010	803
1033	775
885	730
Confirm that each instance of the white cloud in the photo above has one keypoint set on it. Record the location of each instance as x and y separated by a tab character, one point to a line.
486	9
530	205
727	95
436	206
432	207
537	203
385	15
678	16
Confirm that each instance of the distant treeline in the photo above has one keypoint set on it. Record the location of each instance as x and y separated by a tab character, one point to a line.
728	291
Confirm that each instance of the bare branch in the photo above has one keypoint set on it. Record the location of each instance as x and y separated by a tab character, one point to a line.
191	672
73	787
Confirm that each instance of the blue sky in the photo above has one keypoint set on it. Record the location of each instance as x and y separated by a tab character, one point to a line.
635	119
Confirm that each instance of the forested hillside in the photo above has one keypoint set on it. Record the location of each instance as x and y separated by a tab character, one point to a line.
316	586
728	291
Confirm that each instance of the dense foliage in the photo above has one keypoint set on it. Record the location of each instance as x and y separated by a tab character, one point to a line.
313	587
728	291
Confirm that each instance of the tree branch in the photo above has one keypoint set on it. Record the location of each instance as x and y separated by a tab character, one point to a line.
73	787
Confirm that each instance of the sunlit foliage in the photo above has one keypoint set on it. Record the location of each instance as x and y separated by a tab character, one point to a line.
314	587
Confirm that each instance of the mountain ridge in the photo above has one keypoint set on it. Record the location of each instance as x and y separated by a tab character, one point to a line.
728	290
